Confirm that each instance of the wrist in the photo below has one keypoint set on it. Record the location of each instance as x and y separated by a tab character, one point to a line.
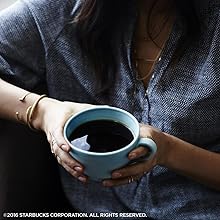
38	120
164	149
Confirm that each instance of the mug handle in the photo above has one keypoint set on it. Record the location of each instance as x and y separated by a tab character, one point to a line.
150	145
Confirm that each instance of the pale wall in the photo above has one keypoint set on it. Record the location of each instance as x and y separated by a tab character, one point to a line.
5	3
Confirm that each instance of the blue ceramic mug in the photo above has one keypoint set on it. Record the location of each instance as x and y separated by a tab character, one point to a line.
99	165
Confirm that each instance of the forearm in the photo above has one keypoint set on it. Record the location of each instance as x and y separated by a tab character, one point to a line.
47	109
192	161
10	103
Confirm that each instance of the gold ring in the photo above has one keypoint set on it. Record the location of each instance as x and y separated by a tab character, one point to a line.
130	179
53	142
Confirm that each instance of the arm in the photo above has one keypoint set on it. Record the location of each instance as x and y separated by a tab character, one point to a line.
10	103
22	63
183	158
192	161
50	116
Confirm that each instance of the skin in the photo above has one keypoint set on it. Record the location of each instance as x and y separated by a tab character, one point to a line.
177	155
182	157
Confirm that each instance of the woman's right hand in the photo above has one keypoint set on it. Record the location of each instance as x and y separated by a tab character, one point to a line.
51	116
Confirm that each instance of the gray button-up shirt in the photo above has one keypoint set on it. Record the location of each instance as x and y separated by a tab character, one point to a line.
38	46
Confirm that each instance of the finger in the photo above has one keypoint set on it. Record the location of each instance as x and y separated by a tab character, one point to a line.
58	135
64	156
60	150
67	159
148	131
138	152
52	142
76	171
73	172
132	170
121	181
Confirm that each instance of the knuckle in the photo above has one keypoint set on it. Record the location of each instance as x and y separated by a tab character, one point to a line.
55	149
58	131
69	162
72	172
66	159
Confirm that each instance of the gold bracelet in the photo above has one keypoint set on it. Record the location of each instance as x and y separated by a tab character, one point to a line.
27	118
30	112
22	99
17	116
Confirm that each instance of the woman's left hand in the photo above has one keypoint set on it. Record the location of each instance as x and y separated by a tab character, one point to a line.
135	171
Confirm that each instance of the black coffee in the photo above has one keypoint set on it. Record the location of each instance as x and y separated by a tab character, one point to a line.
101	136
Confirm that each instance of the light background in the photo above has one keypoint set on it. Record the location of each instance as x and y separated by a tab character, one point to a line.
5	3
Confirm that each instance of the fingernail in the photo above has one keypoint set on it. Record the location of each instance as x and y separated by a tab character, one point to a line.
78	169
132	156
82	179
116	175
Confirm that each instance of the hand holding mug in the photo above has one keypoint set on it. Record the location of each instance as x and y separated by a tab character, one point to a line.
51	117
101	139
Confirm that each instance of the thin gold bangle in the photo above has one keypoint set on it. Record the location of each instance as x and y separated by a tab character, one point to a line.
22	99
17	116
27	118
35	105
30	111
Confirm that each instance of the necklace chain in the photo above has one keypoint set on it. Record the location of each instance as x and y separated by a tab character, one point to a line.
150	61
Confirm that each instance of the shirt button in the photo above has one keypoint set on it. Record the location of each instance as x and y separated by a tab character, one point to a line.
146	93
159	59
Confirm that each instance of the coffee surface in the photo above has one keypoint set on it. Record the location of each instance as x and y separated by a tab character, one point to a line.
101	136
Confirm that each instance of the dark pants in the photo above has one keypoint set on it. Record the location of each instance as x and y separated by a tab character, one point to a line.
29	179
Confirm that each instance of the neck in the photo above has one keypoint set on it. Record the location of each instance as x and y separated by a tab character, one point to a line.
155	18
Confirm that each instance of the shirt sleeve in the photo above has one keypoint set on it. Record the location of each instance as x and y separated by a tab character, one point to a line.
22	53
